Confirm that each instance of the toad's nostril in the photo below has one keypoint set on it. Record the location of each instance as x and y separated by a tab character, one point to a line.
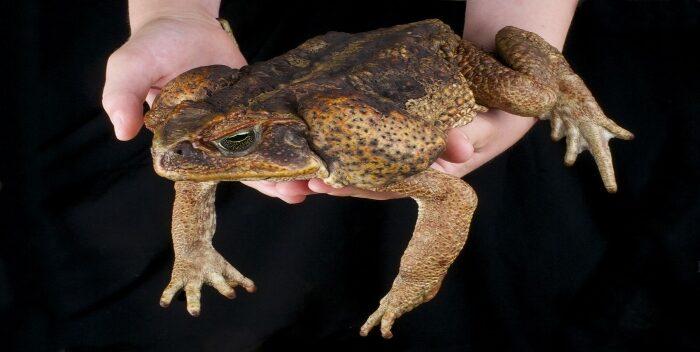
185	149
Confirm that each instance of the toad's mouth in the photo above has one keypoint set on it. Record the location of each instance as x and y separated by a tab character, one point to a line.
187	163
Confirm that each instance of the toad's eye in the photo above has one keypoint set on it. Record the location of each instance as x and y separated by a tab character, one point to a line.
237	143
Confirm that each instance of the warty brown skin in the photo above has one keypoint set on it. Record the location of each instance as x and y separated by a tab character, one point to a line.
369	110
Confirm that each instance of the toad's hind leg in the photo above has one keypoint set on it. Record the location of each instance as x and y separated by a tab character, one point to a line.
445	208
542	84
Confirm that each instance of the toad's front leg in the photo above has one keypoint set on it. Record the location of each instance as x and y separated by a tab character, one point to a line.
445	208
196	260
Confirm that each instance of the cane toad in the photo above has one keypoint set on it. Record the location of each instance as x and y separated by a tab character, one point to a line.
369	110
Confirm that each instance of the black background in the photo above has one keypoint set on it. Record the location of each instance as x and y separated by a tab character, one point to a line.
553	262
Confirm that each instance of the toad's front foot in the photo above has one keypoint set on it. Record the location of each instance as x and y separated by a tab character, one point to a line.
198	265
402	298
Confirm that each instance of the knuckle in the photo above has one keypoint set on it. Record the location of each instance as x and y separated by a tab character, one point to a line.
127	60
119	58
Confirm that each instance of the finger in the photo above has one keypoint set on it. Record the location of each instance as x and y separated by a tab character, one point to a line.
218	282
454	169
270	189
265	187
293	188
318	186
437	165
377	195
128	78
151	96
480	130
459	148
292	199
344	192
169	293
193	291
363	193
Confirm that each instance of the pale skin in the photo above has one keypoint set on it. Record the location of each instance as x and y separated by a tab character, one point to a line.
172	36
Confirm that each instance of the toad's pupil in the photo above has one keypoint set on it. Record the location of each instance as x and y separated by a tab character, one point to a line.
239	137
237	142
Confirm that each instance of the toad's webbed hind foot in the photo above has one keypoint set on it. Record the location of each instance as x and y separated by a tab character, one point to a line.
539	82
578	117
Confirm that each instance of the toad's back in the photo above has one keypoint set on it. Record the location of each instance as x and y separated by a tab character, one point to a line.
377	104
398	68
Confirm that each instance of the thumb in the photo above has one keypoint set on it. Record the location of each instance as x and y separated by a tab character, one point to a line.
459	147
128	78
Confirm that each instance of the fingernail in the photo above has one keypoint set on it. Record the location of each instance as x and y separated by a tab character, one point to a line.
317	186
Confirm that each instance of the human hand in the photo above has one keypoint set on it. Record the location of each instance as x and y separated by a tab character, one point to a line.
165	42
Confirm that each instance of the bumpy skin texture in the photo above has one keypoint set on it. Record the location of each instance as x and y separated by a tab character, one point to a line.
434	246
196	261
369	110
